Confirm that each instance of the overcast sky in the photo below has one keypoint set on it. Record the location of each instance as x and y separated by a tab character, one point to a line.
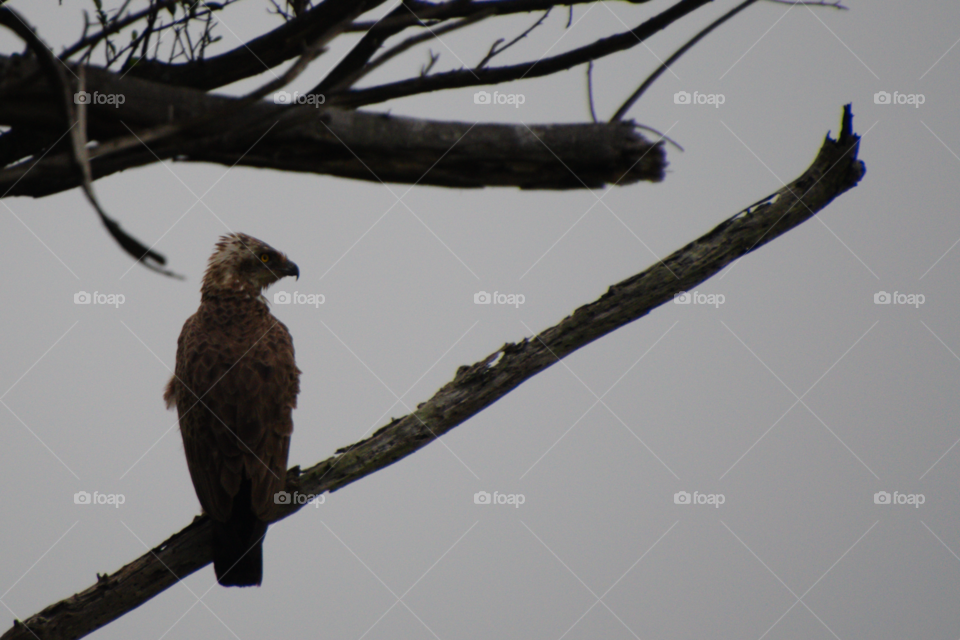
793	399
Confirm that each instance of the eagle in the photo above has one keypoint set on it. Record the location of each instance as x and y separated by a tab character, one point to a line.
234	386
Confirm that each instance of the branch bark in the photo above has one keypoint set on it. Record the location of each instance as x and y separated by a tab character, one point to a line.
337	142
834	171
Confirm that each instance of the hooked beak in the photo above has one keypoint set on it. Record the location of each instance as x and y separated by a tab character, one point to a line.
291	269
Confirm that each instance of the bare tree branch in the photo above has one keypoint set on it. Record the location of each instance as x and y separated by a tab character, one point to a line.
407	45
322	23
679	52
364	146
593	111
74	122
450	10
835	170
537	68
495	50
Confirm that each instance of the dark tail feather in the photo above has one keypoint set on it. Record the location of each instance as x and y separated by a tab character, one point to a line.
238	544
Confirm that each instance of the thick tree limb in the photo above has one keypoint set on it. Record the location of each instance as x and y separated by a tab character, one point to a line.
350	144
835	170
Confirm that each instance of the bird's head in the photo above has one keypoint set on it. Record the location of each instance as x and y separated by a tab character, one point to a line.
242	263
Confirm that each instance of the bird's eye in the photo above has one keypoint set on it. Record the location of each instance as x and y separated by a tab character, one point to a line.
265	257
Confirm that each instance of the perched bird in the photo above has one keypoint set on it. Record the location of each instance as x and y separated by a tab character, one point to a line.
234	387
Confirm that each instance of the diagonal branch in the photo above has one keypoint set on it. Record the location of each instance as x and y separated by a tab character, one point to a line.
285	42
451	10
460	78
834	171
346	70
676	56
406	45
321	24
496	49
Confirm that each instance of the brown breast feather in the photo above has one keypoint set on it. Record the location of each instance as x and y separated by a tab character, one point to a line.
238	359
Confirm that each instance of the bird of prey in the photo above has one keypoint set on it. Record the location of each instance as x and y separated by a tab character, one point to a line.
234	387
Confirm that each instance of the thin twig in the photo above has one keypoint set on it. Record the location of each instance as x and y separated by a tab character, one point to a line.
593	112
662	136
495	51
85	41
408	44
425	69
682	50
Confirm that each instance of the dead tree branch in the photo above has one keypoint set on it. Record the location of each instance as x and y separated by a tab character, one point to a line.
835	170
72	117
350	144
495	49
497	75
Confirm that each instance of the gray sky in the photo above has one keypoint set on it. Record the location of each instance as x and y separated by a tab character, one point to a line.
796	399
